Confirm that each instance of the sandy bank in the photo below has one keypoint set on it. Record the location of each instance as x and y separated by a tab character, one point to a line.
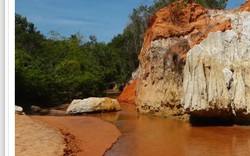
84	135
36	138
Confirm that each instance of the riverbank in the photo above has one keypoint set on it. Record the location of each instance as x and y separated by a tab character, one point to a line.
36	138
139	135
80	135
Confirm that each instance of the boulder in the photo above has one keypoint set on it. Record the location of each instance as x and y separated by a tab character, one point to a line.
35	109
93	104
18	110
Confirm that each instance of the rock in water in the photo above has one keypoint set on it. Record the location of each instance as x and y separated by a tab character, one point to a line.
93	104
159	89
217	71
195	60
172	32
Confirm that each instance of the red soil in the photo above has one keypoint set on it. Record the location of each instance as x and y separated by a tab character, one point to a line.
128	94
180	19
83	135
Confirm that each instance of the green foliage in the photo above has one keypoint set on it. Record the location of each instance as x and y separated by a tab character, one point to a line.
58	69
26	36
214	4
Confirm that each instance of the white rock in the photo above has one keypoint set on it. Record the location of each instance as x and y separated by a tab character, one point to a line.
18	110
228	75
217	72
93	104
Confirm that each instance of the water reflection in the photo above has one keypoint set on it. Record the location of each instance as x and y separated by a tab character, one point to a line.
144	135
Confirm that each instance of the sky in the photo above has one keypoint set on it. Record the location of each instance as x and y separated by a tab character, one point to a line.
102	18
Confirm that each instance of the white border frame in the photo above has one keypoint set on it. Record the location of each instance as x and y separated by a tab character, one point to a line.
9	77
2	84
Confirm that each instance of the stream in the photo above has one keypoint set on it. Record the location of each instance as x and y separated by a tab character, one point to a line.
154	136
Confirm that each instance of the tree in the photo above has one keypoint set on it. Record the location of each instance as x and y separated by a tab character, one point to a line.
213	4
27	37
57	69
93	39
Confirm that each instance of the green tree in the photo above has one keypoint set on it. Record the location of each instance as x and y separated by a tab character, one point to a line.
27	37
214	4
57	69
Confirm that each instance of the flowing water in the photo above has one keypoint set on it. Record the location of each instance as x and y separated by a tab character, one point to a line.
152	136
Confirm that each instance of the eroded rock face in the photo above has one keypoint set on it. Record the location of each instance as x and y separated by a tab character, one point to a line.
159	88
173	31
217	71
93	104
195	60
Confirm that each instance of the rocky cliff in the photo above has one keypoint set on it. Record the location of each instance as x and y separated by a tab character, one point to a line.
195	60
216	74
128	93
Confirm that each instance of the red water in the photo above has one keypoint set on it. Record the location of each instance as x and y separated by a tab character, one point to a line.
152	136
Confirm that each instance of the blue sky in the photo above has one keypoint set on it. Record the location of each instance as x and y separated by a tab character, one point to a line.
102	18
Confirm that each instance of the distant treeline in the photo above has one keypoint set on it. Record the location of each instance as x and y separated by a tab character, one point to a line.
55	69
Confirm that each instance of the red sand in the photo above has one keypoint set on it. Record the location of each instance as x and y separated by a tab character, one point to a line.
128	94
35	138
83	136
91	137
